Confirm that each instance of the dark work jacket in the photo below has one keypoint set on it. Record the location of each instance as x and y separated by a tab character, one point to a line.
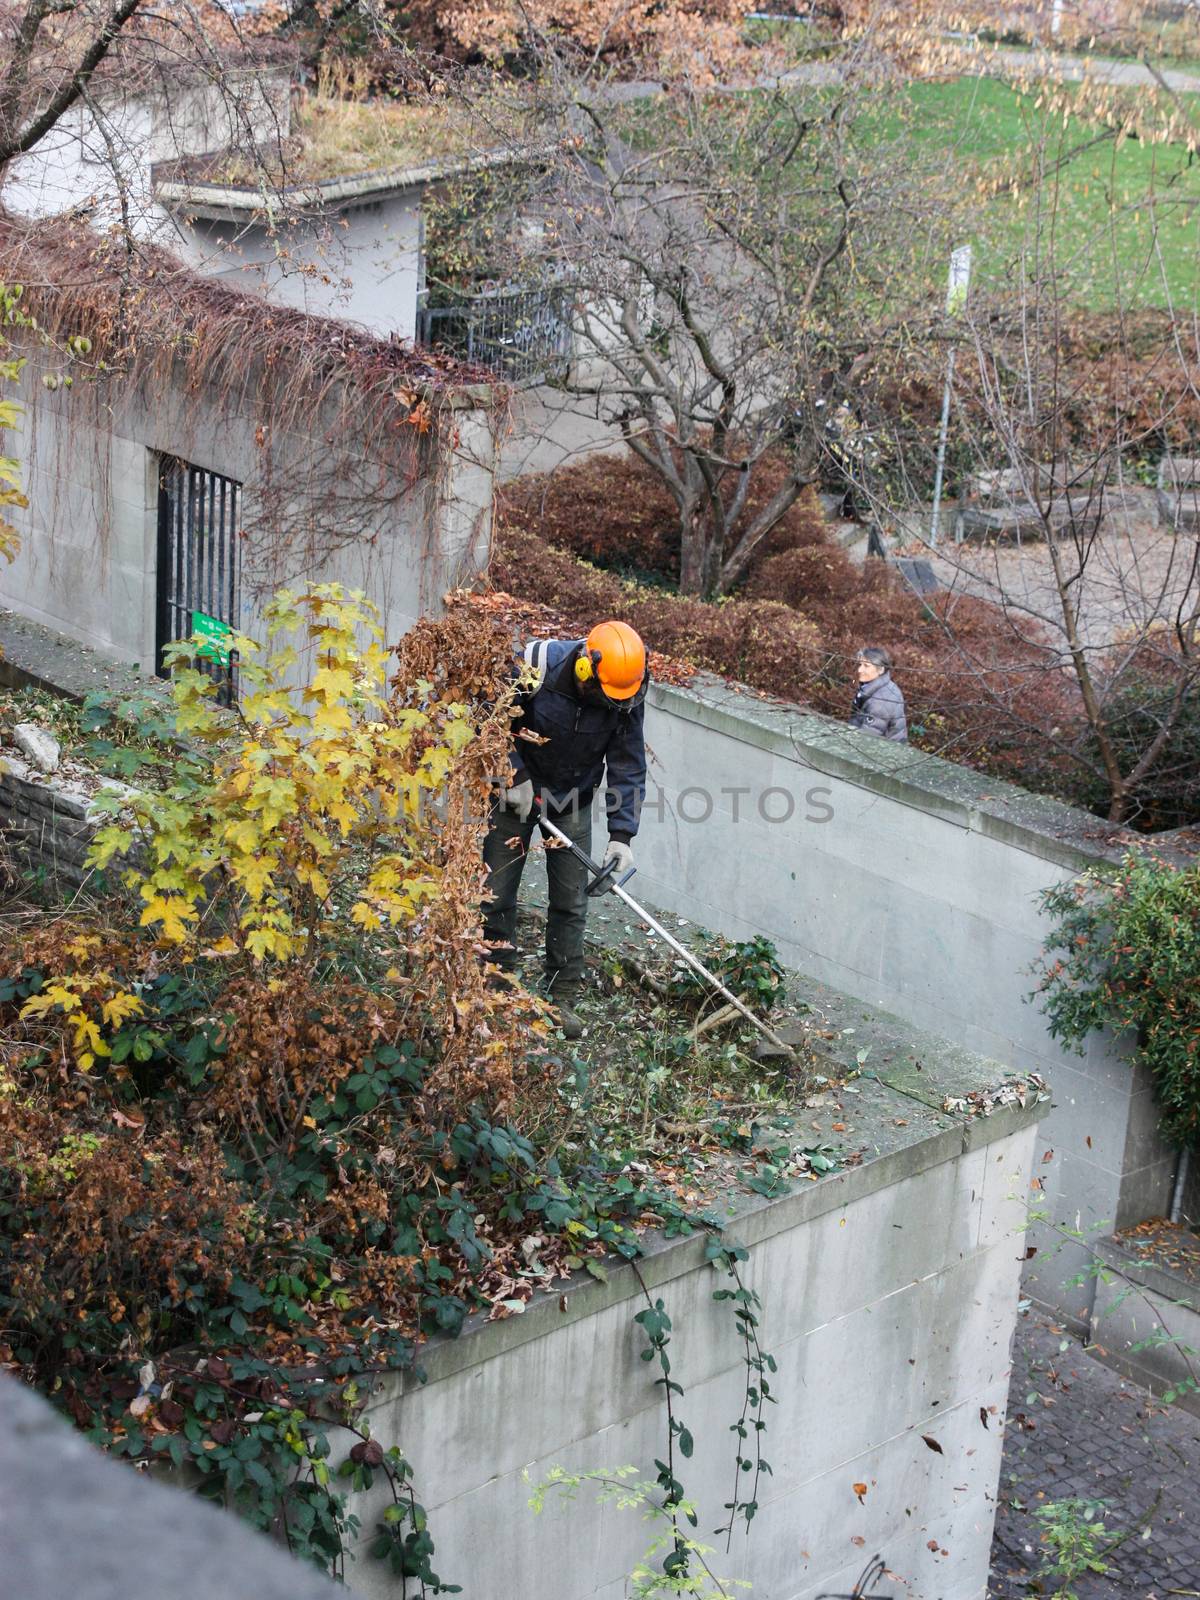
584	738
879	709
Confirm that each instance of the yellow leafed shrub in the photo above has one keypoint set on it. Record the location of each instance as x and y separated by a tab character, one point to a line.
318	806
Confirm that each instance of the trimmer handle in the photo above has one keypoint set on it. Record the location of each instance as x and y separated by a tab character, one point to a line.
602	882
602	876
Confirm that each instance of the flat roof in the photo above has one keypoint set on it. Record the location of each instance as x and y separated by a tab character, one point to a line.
221	201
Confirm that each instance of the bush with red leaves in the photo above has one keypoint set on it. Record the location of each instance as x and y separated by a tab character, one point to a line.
613	511
976	690
1111	383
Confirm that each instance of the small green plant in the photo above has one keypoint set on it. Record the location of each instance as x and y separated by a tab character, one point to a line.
750	968
126	736
651	1577
130	736
1125	954
1076	1542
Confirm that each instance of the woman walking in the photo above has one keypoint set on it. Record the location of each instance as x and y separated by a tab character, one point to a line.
878	703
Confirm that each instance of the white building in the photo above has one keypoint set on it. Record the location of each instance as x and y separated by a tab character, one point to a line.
349	245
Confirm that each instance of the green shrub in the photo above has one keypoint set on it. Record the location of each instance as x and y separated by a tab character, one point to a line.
1075	1541
1125	954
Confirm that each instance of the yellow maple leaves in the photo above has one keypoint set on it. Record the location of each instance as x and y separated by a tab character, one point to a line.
171	913
79	999
315	809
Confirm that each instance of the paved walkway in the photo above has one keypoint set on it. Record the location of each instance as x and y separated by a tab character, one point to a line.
1100	69
1091	1434
1134	574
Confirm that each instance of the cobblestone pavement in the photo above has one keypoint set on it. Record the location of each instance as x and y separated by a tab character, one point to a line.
1088	1433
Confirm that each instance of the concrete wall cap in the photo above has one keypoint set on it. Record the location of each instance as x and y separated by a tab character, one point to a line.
1038	824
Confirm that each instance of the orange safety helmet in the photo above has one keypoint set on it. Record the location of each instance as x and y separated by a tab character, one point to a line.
616	656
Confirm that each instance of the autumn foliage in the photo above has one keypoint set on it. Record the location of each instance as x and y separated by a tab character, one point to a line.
256	1148
973	693
260	1127
670	35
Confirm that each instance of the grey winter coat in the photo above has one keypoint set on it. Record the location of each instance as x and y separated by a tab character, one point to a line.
879	709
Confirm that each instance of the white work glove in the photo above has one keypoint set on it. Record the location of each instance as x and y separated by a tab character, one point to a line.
621	854
518	797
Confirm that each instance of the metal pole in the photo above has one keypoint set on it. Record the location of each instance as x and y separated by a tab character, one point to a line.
941	452
681	950
956	299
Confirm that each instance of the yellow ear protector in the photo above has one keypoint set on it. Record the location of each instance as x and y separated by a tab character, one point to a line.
586	663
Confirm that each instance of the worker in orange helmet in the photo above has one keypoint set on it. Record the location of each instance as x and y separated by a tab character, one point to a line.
579	721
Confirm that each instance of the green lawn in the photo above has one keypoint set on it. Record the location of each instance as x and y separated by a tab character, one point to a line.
1116	220
1117	226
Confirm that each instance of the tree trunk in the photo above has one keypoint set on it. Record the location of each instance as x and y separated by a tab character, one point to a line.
693	551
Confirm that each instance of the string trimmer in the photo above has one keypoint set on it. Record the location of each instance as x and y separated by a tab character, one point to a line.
605	881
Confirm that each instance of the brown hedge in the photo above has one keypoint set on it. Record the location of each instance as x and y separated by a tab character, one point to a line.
976	690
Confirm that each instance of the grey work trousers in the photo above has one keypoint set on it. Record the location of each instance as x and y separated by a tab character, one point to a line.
505	850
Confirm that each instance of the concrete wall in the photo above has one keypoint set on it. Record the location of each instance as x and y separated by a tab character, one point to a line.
73	1522
88	160
363	263
315	506
911	883
889	1297
1147	1320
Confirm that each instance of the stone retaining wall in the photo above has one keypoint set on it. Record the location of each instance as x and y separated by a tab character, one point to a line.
47	823
889	1297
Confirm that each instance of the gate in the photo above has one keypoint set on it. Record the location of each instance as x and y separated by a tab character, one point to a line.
199	567
523	332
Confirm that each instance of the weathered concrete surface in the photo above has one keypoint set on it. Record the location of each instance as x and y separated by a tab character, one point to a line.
889	1297
887	1292
33	655
38	746
73	1524
90	464
553	429
912	884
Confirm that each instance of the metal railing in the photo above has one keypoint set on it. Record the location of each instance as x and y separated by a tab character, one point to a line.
522	332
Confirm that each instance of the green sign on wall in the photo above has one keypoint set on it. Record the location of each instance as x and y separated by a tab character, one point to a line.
214	635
